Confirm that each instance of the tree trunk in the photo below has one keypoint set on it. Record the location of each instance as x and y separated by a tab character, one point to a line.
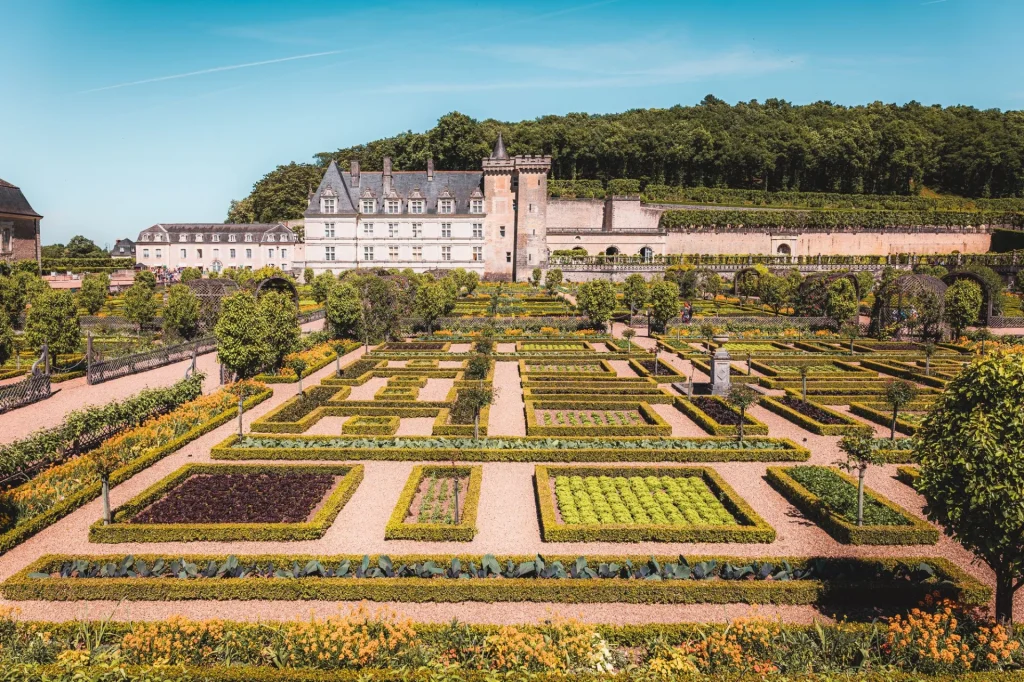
892	430
1004	598
299	374
803	383
860	496
743	418
928	366
106	500
476	425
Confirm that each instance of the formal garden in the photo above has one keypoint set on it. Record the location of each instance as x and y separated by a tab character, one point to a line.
433	487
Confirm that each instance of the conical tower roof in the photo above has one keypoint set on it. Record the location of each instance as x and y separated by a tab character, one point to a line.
499	152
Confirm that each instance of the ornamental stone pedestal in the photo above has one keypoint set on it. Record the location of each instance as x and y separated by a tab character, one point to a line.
721	366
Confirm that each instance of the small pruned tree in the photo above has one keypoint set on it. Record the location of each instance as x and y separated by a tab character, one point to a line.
552	280
298	365
929	350
628	333
535	277
190	275
635	292
281	320
242	334
94	291
664	298
474	399
105	461
596	300
6	339
962	305
971	452
181	314
741	396
431	302
841	301
803	370
139	305
898	394
53	320
146	278
860	453
321	287
307	276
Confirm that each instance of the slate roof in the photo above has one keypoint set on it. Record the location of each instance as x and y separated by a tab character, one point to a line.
461	184
219	228
13	202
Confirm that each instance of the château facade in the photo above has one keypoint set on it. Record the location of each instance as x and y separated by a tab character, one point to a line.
490	221
212	247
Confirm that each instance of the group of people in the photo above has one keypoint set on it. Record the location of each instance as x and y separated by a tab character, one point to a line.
687	313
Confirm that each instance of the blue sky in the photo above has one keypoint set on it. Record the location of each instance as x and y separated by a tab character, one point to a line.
118	115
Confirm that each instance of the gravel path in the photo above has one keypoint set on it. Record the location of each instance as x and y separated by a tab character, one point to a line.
682	426
507	415
368	390
415	426
622	368
436	390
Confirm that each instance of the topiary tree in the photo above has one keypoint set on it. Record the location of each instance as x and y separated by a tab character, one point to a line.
139	305
775	292
281	319
596	300
929	350
898	394
628	333
93	294
181	314
741	396
971	452
307	276
242	335
552	280
803	370
474	399
191	274
535	277
53	320
635	292
466	280
147	278
105	461
298	365
321	287
664	302
841	301
860	453
431	302
344	311
963	305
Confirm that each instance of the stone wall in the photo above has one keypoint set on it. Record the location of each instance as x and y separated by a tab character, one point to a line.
25	238
587	214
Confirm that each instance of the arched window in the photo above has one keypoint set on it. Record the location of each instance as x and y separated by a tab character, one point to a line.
611	251
647	254
784	250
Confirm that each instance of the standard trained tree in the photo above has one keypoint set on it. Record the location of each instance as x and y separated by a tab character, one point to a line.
139	305
635	292
6	339
281	318
53	320
963	305
344	312
93	293
552	280
181	315
147	278
321	287
898	394
242	335
596	300
430	303
191	274
664	302
971	451
860	453
841	301
535	277
741	396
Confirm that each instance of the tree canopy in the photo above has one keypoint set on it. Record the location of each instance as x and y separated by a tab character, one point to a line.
772	145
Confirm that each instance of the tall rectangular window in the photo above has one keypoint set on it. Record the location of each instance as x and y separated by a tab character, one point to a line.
159	253
501	230
270	253
216	237
392	229
417	229
508	256
248	254
328	253
232	237
369	206
446	206
417	253
446	253
392	205
199	253
476	206
231	254
478	230
416	206
248	237
284	253
478	253
329	205
446	230
367	253
145	253
392	252
368	229
184	253
329	230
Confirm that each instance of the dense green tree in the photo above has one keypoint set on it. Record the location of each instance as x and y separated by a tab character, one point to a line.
146	278
709	284
181	314
83	247
6	339
321	287
191	274
12	298
775	291
664	297
307	276
344	312
31	285
898	394
552	280
841	301
635	292
963	305
431	303
281	319
686	278
596	300
971	452
139	305
93	293
535	277
53	320
52	251
466	280
242	335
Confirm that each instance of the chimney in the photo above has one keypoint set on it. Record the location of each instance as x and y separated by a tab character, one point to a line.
387	174
430	170
355	172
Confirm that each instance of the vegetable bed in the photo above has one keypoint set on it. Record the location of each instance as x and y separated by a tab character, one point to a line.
426	507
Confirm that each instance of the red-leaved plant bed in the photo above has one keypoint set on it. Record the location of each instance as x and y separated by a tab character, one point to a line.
240	498
718	411
810	410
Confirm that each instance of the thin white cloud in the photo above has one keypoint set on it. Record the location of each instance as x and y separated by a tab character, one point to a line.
202	72
932	2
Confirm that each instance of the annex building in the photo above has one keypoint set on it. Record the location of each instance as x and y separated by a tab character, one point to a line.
212	247
19	226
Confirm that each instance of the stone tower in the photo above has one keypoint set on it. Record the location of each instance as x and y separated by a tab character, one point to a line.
531	185
499	204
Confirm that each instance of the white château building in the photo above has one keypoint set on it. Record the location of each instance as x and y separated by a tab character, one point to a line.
212	247
430	219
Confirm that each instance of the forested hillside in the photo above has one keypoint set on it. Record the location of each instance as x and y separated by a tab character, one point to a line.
775	146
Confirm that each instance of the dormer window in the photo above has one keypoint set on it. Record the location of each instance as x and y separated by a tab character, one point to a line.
416	206
392	206
232	238
327	205
182	237
216	237
199	237
248	237
476	206
146	237
446	206
369	206
270	237
284	238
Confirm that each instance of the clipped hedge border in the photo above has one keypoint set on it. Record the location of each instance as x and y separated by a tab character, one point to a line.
960	585
524	342
883	419
670	375
656	426
269	423
607	371
751	427
657	397
388	426
918	532
752	528
290	377
22	532
848	427
908	475
441	426
465	531
396	393
791	453
909	375
124	530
